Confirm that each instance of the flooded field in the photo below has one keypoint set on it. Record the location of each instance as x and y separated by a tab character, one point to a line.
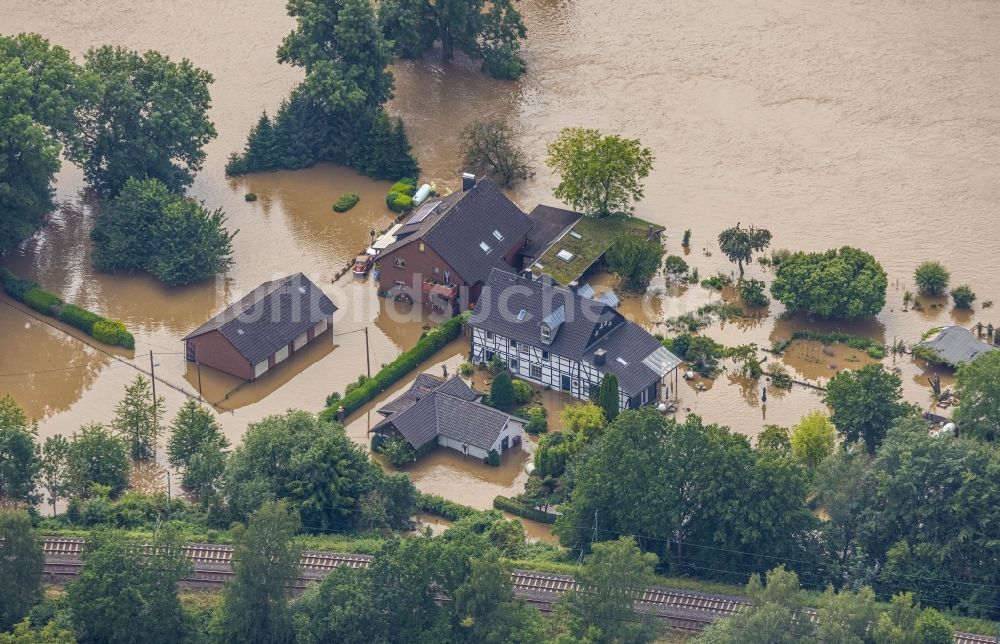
830	123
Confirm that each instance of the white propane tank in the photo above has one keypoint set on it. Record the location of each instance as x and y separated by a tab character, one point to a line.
422	194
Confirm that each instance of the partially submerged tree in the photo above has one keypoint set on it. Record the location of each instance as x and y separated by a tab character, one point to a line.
739	244
96	456
931	278
489	147
635	258
148	117
865	403
599	175
486	31
963	296
845	284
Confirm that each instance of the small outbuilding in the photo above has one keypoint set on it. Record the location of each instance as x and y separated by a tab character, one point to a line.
264	328
952	346
450	414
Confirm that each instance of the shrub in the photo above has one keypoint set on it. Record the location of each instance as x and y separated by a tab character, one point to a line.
42	301
466	369
963	297
502	392
405	186
398	202
686	240
114	333
716	281
442	507
876	351
14	285
507	504
82	319
522	392
362	379
333	399
250	196
931	278
537	423
496	364
635	258
493	458
398	368
398	451
347	201
752	292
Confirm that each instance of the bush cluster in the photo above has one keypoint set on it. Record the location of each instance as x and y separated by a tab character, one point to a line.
537	422
442	507
522	392
107	331
346	201
507	504
400	197
398	368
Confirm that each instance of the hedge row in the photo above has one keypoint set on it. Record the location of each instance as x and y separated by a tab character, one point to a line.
517	508
107	331
427	346
442	507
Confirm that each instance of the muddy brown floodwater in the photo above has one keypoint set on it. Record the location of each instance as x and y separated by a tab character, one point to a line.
830	122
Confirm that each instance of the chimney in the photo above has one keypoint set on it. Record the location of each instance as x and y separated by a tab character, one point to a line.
599	357
468	181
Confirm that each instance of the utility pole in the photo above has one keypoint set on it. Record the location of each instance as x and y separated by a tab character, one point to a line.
156	423
368	356
198	365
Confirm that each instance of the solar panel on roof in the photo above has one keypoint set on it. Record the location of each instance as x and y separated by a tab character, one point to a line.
422	212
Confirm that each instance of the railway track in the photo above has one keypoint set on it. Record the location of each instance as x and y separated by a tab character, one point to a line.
212	568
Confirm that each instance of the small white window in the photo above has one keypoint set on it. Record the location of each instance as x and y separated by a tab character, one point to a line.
302	289
240	331
521	314
575	235
565	255
486	247
496	233
621	361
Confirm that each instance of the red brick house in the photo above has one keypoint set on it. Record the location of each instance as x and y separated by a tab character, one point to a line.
265	327
445	250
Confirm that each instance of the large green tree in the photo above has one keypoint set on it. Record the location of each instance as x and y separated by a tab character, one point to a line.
21	563
607	397
698	494
611	580
193	427
865	403
771	616
978	388
96	455
148	117
502	391
486	31
174	238
635	258
739	244
599	175
812	440
839	486
340	609
20	462
255	605
41	88
336	114
138	419
311	463
125	590
55	468
845	284
486	610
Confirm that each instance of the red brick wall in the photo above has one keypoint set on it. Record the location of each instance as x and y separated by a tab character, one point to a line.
213	350
421	264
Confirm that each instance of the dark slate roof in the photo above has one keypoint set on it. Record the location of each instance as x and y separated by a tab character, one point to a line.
589	325
270	316
456	227
956	345
423	385
547	225
448	410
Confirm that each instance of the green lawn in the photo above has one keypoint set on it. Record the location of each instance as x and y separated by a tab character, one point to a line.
596	236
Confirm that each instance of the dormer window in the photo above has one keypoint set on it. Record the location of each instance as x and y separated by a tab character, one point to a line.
546	334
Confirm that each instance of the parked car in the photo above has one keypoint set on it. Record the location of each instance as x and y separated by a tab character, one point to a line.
362	265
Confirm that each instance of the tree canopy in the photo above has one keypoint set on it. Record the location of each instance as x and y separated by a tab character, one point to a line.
813	439
20	462
739	244
172	237
978	388
486	31
40	85
138	418
147	117
607	397
96	455
635	258
599	175
845	284
865	403
489	148
21	570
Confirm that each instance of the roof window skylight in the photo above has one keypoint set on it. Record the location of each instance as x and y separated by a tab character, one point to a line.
565	255
575	235
521	314
496	233
622	361
486	247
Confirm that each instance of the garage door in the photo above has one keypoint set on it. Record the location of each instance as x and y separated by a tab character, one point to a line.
259	368
319	328
300	341
281	354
